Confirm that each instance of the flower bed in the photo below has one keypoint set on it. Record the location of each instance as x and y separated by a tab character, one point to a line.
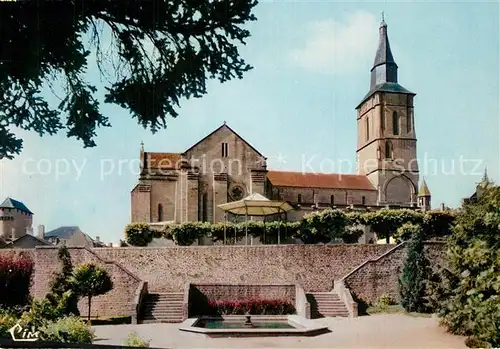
253	306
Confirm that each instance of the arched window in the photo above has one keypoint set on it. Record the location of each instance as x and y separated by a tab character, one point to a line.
363	200
395	123
332	199
299	198
367	128
160	213
382	120
388	150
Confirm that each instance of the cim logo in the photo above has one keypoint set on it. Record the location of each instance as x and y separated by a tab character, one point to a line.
19	333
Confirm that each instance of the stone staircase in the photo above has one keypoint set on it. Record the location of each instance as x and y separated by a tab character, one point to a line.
326	304
162	307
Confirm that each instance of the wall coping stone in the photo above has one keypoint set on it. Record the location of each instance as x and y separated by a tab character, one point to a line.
225	246
141	291
241	284
371	260
185	302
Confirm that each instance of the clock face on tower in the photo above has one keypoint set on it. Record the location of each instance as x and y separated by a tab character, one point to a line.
236	192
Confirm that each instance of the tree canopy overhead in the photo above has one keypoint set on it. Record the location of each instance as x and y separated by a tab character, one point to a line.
43	42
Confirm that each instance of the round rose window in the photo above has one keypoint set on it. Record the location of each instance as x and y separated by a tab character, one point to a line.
237	193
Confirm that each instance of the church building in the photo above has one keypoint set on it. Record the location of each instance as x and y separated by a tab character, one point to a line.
224	167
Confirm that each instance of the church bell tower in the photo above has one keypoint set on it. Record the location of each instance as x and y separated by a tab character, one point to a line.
387	143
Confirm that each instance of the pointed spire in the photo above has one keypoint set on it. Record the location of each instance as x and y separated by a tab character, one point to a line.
424	190
142	146
384	68
384	53
485	181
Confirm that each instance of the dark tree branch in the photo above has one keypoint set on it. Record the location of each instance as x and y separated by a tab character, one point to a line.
41	41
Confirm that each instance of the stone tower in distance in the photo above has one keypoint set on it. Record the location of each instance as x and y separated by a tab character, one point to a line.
387	143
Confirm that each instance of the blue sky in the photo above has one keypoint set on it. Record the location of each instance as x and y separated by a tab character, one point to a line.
312	67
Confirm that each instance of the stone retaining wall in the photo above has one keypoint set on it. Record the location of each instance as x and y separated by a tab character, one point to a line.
314	267
380	275
221	292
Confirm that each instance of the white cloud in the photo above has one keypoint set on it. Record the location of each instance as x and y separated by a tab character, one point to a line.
338	47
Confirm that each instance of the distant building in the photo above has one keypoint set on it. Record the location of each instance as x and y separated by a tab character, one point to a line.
15	220
16	230
71	236
26	241
484	184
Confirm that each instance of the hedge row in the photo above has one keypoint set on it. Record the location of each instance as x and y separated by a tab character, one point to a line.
252	307
317	227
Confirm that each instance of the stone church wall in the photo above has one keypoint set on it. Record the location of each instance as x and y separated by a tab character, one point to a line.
310	196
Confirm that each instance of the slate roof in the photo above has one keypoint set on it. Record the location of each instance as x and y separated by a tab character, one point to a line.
385	80
424	189
319	180
392	87
67	232
11	203
384	54
27	236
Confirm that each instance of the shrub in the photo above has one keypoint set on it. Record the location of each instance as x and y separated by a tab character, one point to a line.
407	231
473	342
385	301
470	289
133	340
254	306
70	329
138	234
41	312
437	224
7	320
187	233
412	283
15	276
351	235
90	281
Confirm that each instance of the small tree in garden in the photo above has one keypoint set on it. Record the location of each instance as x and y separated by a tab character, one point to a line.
90	281
413	281
407	231
385	223
62	288
438	224
323	226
